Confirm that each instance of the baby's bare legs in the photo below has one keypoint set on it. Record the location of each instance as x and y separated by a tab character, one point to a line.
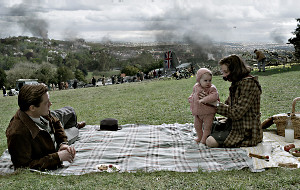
207	121
198	127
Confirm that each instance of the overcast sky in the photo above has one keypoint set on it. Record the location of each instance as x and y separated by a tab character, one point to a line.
151	20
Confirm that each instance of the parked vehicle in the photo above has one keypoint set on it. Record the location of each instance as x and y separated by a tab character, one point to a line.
22	82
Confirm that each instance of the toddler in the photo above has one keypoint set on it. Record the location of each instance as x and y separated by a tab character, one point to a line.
202	111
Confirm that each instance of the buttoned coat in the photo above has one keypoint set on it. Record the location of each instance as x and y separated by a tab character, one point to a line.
243	108
30	146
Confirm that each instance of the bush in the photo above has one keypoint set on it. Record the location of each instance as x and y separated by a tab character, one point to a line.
130	70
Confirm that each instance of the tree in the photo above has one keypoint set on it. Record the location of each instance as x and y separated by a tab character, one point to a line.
79	75
3	79
46	73
143	61
130	70
296	40
64	74
22	70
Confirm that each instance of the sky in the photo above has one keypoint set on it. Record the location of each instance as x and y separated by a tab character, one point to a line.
258	21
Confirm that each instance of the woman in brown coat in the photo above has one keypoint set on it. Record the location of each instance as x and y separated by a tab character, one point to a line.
242	108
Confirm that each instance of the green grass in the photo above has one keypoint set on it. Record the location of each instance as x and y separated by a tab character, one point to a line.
157	102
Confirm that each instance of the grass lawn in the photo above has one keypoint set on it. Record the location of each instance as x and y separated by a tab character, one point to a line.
157	102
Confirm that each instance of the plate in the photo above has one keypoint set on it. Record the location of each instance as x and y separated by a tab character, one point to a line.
292	151
107	168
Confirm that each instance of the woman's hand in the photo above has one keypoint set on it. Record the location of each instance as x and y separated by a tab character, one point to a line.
202	95
190	99
215	103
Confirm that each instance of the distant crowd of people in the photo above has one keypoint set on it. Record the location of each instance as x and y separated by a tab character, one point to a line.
184	73
118	79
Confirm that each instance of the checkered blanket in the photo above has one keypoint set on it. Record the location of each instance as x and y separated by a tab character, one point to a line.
145	147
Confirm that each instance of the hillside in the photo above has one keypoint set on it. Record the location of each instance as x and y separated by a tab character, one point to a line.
53	61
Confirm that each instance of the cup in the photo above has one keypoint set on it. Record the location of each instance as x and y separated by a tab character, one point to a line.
289	135
267	148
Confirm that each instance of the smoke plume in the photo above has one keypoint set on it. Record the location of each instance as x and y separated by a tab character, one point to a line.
166	30
28	19
277	36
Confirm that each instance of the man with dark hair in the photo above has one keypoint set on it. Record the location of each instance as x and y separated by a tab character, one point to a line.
35	136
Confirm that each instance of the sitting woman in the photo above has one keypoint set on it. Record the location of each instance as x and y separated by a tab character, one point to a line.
242	108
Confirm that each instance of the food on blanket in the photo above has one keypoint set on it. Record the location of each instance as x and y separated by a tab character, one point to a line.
288	147
295	152
267	157
103	167
288	165
258	156
108	167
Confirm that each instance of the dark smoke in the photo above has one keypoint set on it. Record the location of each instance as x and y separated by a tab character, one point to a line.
28	19
277	37
201	45
70	34
176	26
168	32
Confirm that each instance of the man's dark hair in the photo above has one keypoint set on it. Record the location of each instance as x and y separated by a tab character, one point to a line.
31	95
237	67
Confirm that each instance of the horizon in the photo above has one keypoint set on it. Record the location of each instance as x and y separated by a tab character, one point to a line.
153	42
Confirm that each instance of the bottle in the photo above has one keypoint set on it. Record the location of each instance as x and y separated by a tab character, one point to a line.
289	130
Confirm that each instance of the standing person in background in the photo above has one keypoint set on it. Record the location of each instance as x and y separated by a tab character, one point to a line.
94	81
261	59
103	80
75	84
202	111
154	74
112	79
242	107
4	91
159	73
66	85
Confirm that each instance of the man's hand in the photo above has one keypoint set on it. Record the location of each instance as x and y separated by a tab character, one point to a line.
66	153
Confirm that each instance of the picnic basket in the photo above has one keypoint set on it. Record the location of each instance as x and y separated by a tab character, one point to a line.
281	121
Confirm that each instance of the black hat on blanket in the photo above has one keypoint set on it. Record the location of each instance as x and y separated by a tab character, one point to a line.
109	124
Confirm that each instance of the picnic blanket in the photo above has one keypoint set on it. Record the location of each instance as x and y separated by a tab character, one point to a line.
145	147
278	155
